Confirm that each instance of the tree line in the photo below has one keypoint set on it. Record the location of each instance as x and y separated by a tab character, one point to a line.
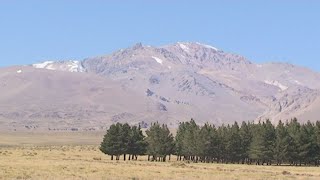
262	143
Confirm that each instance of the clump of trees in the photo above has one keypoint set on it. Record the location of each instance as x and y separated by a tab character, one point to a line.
122	139
259	143
160	142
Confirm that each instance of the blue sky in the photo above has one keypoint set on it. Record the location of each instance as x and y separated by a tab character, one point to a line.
273	30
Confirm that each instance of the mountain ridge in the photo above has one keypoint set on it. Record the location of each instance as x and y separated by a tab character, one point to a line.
173	83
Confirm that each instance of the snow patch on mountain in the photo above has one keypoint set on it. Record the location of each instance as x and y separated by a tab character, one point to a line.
297	82
70	66
208	46
75	66
160	61
184	47
42	65
50	67
277	84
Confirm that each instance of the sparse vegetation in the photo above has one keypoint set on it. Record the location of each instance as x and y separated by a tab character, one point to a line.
87	162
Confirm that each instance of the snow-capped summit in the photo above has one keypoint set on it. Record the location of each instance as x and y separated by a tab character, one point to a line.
208	46
70	66
187	46
43	65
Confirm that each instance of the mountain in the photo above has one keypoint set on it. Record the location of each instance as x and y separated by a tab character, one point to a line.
44	99
144	84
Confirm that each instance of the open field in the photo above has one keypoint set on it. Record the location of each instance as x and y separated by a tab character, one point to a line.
50	138
87	162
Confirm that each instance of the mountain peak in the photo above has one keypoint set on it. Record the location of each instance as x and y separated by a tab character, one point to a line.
137	46
70	65
194	45
207	46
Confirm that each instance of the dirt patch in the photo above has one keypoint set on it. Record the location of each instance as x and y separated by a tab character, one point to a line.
179	164
286	173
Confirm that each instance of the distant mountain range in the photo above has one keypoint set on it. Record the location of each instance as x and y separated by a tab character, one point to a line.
144	84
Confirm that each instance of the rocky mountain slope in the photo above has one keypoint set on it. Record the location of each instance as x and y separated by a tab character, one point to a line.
41	99
143	84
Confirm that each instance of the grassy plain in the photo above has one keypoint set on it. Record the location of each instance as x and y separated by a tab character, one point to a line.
76	156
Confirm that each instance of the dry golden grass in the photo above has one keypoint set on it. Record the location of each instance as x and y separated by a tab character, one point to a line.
87	162
76	156
50	138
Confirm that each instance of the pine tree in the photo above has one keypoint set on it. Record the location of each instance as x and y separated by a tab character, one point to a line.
137	144
121	139
246	139
112	143
257	147
282	143
221	154
190	149
293	149
167	141
234	143
125	139
262	146
308	144
160	142
179	140
207	143
317	136
270	137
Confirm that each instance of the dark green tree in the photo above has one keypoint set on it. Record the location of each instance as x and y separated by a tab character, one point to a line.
270	137
189	143
112	143
160	142
221	153
257	147
137	144
233	144
246	139
293	150
125	139
308	144
179	138
317	134
262	146
207	143
282	144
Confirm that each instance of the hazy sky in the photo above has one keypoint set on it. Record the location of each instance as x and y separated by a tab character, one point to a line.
273	30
